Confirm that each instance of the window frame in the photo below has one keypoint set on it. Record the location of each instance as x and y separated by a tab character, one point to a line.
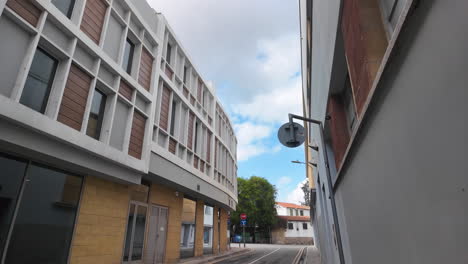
100	115
290	226
305	226
71	7
129	62
136	204
49	83
168	53
28	164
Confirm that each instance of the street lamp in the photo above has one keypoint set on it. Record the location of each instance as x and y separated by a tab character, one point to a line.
292	135
300	162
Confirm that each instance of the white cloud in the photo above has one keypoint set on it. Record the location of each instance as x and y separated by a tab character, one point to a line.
251	139
284	181
297	195
279	66
252	57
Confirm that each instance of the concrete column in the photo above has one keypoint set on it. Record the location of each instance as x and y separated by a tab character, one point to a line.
199	220
215	230
223	239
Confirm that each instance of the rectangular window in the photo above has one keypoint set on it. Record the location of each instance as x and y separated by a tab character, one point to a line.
128	56
173	117
168	53
196	137
291	213
45	218
135	236
96	115
304	226
302	213
185	74
290	226
65	6
39	81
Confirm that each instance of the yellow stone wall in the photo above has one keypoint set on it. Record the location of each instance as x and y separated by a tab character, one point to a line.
100	229
215	230
165	196
200	214
223	230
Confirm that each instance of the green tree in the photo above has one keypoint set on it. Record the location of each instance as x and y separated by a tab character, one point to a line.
306	190
257	199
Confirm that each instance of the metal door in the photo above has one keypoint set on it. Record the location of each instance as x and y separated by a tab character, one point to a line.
156	244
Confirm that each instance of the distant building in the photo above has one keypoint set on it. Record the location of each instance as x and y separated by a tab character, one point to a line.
294	225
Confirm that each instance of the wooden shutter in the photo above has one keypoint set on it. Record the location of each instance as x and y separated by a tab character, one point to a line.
164	113
146	69
190	130
25	9
172	145
93	19
125	90
137	135
74	98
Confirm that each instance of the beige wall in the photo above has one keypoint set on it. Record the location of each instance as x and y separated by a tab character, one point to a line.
100	230
199	228
165	196
223	230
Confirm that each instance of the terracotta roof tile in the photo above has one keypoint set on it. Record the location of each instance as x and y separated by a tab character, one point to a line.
291	205
294	218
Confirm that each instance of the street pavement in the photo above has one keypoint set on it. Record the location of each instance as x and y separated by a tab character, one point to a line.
272	254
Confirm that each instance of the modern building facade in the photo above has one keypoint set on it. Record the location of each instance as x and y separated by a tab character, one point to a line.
113	149
387	79
294	224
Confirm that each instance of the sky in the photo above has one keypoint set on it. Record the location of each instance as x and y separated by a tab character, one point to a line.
250	51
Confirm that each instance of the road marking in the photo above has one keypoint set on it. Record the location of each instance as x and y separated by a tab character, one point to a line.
298	256
263	256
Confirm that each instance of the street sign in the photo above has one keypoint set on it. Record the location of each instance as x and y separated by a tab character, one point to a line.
243	216
243	222
291	135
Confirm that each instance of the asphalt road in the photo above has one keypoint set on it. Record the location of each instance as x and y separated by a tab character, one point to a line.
263	254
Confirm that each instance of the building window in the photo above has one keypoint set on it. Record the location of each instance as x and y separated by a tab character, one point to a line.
168	53
47	219
135	236
291	212
96	115
65	6
39	81
304	226
196	137
295	210
290	226
302	213
173	117
185	74
128	56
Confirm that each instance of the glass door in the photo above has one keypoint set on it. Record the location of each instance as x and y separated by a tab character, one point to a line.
135	238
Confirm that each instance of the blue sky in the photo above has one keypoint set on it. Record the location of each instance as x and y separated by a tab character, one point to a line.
250	51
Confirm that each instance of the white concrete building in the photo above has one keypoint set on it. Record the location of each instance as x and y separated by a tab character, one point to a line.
102	108
294	225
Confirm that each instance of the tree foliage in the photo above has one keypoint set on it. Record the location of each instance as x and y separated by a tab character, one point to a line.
306	190
257	199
